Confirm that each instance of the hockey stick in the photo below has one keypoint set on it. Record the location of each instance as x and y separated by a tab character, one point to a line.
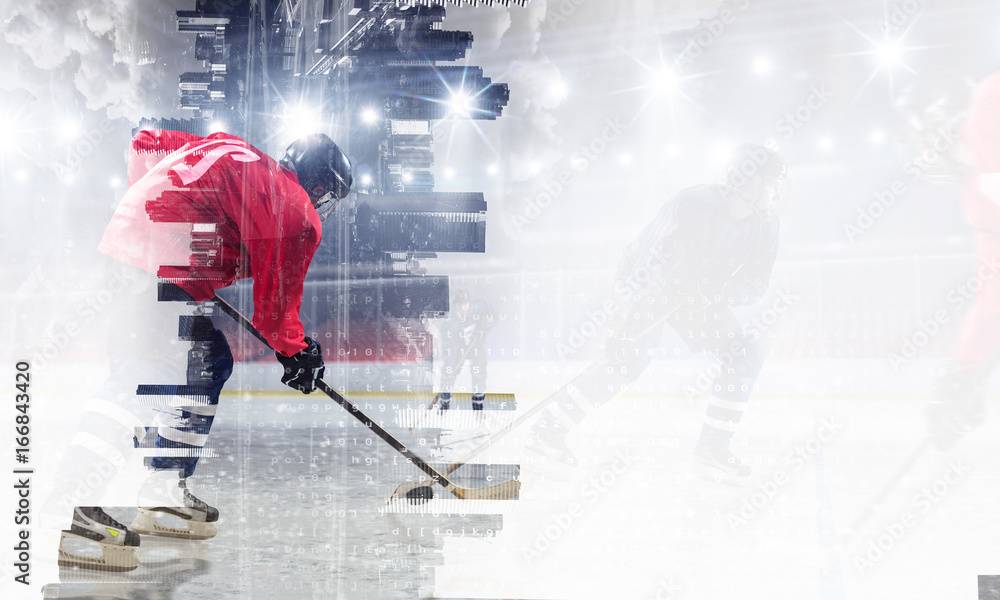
569	388
897	477
503	491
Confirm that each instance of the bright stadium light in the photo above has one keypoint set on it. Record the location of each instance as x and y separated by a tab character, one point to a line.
666	80
492	170
762	65
300	121
366	179
723	152
407	176
877	136
461	104
369	116
558	90
449	173
889	53
217	126
70	129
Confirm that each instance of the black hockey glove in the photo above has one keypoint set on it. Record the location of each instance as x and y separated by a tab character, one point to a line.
304	369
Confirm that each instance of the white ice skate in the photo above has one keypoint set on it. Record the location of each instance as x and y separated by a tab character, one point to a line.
90	526
170	510
721	466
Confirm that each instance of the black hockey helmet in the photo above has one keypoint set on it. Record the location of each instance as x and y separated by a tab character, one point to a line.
759	174
323	169
929	110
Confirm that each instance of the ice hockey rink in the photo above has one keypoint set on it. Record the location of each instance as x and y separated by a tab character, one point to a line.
611	108
845	502
303	514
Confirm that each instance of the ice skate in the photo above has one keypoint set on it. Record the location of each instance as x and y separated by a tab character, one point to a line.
91	525
721	466
174	511
956	409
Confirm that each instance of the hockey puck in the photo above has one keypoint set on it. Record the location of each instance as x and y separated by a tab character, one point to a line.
419	495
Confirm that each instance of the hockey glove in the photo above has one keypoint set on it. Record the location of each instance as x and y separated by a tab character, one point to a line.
304	369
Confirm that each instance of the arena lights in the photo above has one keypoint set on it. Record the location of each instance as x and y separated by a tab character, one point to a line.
461	104
366	179
300	121
449	173
70	129
666	80
888	53
369	116
762	65
492	170
217	126
877	136
558	91
723	152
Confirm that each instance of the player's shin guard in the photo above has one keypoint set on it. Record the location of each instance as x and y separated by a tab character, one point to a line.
713	457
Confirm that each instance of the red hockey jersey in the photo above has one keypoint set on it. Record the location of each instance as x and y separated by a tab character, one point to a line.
202	212
981	138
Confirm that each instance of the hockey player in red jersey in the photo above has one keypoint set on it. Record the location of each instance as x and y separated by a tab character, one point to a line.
200	213
935	111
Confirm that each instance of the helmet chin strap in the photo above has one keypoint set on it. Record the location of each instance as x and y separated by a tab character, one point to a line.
326	204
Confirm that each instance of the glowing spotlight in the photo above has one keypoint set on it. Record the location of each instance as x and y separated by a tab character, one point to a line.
889	53
369	116
449	173
672	151
407	176
70	129
825	144
461	104
558	90
534	168
366	179
762	65
666	81
300	121
877	136
723	152
492	170
116	182
625	159
21	175
217	126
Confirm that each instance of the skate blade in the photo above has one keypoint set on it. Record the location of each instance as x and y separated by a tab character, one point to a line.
113	558
718	475
147	523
